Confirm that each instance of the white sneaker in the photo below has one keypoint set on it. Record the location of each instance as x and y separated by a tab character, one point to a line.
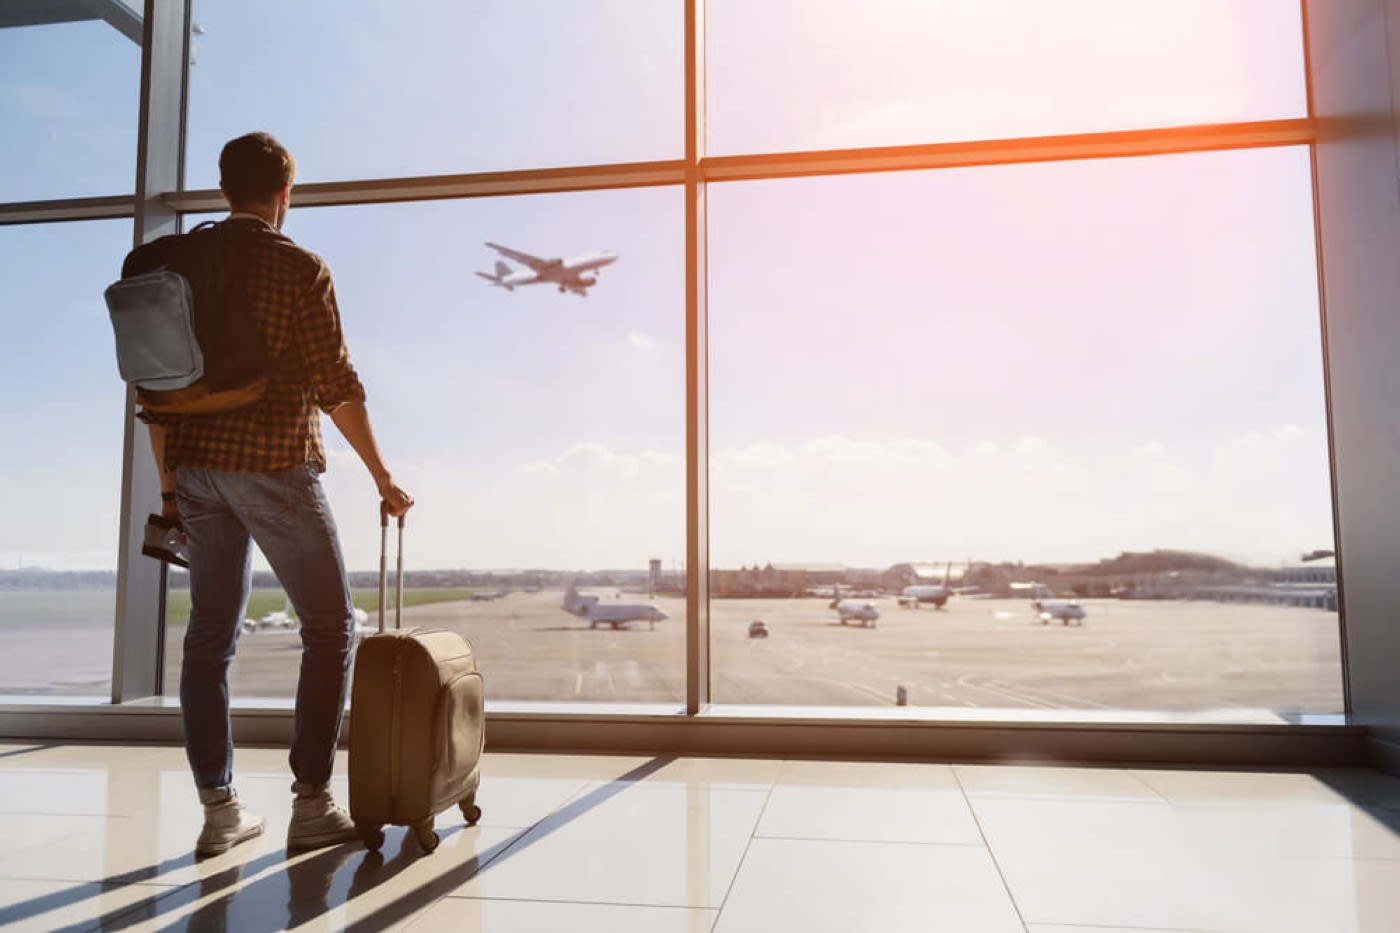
316	820
226	824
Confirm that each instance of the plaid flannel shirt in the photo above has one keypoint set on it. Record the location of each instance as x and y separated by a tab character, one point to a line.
294	303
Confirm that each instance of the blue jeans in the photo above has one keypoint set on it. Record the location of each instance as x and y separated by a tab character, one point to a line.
287	515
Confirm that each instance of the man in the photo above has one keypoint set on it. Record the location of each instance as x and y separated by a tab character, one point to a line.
251	476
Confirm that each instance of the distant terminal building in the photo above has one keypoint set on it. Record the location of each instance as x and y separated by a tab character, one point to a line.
1323	570
1311	584
777	580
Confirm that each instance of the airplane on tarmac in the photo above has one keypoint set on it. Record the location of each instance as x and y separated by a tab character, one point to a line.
481	596
284	622
567	274
934	593
1063	609
857	610
588	606
275	620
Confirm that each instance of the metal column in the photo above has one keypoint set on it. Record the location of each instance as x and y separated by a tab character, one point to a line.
697	425
136	661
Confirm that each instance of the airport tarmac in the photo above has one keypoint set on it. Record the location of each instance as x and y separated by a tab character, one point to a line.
977	653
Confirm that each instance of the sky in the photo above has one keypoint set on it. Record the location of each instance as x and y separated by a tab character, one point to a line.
1049	362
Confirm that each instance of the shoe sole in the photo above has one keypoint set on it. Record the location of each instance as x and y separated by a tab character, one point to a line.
206	849
306	843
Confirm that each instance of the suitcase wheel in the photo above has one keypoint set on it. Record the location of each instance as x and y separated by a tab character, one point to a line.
470	812
427	839
372	836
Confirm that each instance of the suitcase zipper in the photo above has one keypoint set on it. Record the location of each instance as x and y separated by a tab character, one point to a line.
395	738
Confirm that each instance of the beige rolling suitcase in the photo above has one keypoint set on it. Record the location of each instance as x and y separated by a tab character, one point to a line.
416	722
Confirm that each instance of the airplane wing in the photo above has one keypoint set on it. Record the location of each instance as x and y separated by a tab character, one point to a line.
534	262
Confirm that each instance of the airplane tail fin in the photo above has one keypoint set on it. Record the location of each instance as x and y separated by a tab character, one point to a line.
498	278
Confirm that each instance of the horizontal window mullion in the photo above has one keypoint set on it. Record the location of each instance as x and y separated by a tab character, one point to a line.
721	168
1203	138
38	212
476	185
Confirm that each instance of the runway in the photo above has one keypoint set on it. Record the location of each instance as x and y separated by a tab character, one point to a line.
977	653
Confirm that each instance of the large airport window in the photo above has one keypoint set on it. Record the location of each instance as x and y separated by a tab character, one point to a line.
68	103
1046	436
539	425
432	87
60	465
789	75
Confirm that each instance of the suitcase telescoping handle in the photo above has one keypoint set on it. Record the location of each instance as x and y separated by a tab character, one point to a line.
384	568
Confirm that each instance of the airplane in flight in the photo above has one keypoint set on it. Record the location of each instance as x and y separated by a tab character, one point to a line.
588	606
1048	610
856	610
567	274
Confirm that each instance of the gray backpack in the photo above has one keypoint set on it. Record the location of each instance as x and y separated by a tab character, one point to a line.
185	331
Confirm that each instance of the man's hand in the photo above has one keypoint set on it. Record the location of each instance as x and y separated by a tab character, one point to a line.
398	501
170	510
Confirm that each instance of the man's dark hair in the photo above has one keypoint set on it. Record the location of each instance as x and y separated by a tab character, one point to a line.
254	168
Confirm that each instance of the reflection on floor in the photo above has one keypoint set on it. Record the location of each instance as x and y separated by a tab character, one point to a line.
101	837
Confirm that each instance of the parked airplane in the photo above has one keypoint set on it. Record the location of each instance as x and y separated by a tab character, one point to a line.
269	621
1062	609
588	606
858	610
481	596
567	274
935	594
285	620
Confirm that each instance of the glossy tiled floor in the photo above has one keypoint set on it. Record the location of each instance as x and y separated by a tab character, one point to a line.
98	837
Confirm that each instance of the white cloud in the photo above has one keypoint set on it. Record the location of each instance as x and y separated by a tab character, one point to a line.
641	341
840	449
589	455
916	449
763	455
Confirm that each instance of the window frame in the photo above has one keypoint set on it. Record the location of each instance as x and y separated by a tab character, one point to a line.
138	710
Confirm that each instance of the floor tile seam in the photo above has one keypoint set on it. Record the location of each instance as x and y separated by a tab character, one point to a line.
568	900
1065	798
114	921
1137	775
748	844
1254	809
868	841
991	854
1264	857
